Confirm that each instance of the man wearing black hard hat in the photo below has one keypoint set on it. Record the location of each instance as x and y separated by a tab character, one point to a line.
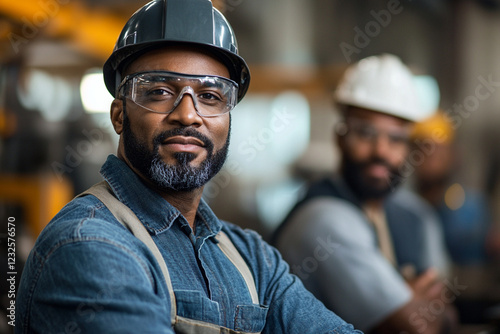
141	252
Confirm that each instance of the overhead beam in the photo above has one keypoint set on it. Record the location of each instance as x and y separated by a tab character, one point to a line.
93	31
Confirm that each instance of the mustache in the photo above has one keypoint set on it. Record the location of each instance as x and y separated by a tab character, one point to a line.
187	132
377	161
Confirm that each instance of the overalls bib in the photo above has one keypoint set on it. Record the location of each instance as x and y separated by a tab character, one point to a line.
128	219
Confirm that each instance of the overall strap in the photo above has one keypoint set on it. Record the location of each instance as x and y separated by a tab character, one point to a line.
227	247
128	219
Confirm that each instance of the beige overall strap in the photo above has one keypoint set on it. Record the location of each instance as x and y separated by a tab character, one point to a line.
379	221
128	219
234	256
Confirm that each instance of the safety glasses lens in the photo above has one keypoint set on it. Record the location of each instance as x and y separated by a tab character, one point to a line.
161	92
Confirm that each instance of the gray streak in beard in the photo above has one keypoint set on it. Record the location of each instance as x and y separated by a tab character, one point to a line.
179	177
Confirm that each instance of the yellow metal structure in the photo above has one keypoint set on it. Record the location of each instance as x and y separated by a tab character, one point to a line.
40	196
93	31
8	123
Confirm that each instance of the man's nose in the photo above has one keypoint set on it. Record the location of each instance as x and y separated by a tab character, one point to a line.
185	111
381	145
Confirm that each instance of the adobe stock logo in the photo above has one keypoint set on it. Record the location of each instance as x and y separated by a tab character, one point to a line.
420	319
322	252
250	148
74	157
32	26
362	38
456	115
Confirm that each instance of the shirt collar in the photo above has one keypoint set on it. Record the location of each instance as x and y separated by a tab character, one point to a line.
154	211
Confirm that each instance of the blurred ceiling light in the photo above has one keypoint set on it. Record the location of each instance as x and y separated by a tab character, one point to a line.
95	97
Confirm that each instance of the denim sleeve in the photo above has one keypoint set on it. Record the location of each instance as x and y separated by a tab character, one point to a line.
91	285
292	308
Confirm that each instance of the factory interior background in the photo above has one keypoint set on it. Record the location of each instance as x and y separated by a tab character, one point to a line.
55	131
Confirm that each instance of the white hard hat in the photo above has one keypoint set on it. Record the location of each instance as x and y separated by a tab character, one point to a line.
384	84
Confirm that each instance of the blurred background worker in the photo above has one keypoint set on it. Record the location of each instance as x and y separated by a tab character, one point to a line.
463	212
357	243
464	215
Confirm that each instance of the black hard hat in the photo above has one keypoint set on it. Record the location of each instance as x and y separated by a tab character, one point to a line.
163	22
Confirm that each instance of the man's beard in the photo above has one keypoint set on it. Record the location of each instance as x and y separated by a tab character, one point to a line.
181	176
366	188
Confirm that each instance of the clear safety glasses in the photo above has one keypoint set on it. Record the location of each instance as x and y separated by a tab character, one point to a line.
161	92
364	132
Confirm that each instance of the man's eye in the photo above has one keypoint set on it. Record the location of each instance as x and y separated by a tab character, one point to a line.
399	139
210	96
366	132
158	93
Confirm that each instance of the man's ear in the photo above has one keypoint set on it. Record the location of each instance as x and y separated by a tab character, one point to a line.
116	114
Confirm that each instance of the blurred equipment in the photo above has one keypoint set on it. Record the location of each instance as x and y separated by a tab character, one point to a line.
40	197
90	30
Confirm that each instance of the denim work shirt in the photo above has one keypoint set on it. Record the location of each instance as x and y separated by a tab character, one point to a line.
88	274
